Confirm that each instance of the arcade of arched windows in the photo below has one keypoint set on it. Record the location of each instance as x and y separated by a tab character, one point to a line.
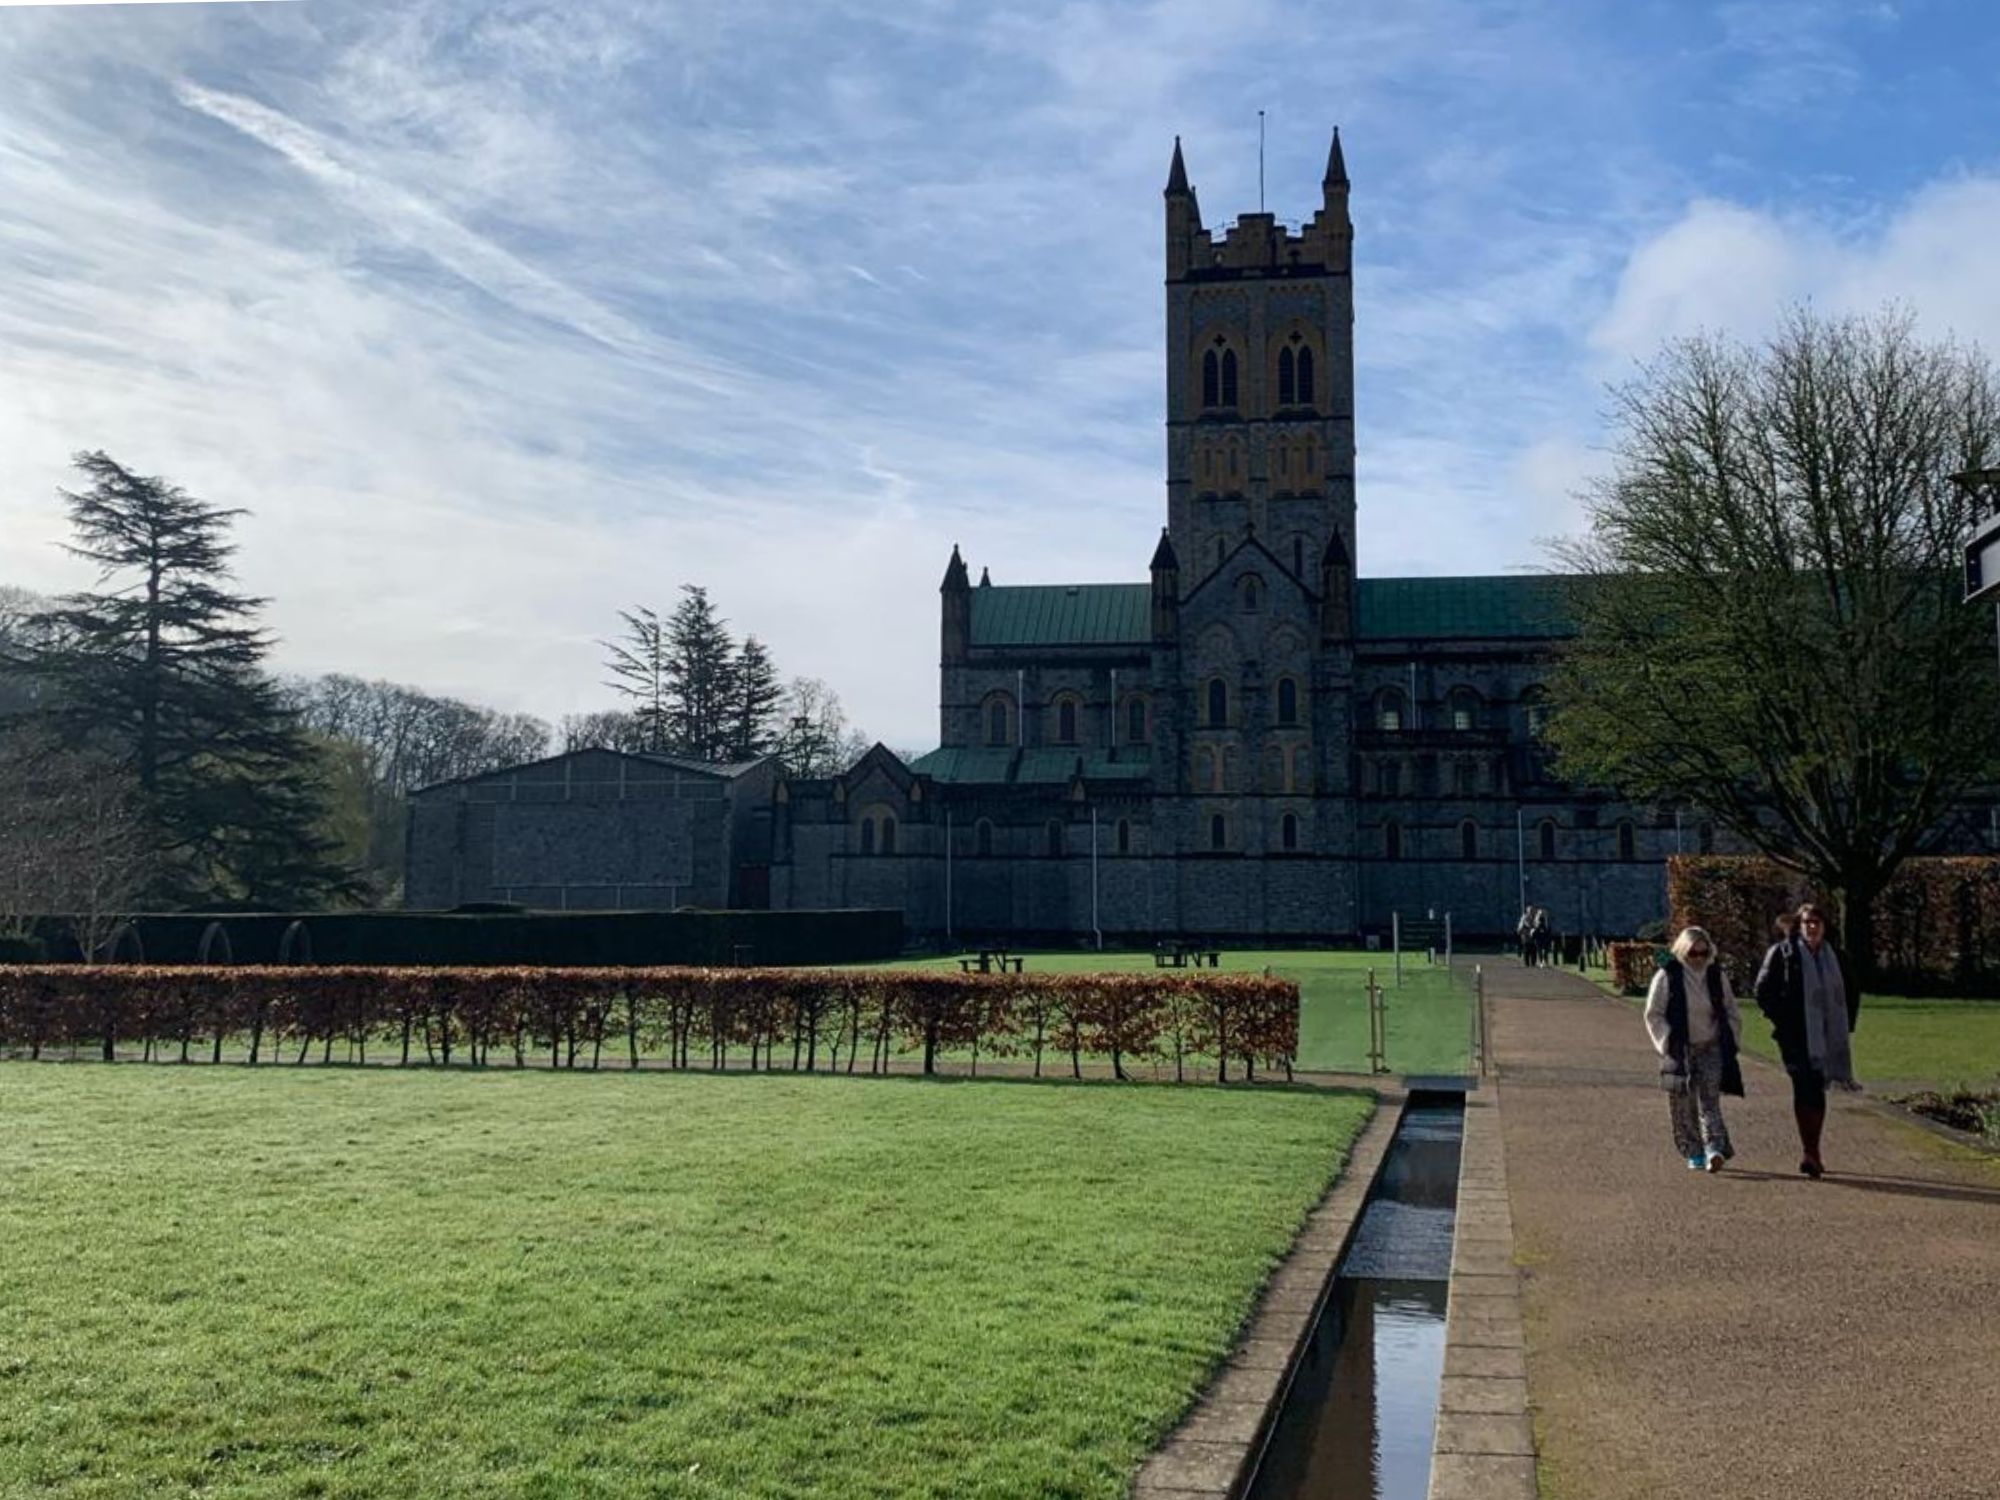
1296	369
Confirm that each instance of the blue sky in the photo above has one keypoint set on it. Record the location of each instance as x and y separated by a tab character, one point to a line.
502	316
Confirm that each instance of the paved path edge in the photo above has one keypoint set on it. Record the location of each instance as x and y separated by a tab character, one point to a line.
1214	1451
1485	1446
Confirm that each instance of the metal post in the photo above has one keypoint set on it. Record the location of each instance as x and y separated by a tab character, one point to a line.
947	874
1396	943
1521	852
1476	1043
1447	942
1377	1030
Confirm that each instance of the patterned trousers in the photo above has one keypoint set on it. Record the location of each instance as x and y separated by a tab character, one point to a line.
1697	1113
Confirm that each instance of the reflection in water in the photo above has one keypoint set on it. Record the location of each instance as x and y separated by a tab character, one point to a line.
1361	1417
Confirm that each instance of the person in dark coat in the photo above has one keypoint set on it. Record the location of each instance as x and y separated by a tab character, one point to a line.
1808	992
1692	1018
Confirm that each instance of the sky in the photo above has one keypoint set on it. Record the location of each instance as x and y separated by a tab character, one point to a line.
501	316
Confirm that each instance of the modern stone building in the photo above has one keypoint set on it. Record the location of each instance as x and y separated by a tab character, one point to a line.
594	830
1255	741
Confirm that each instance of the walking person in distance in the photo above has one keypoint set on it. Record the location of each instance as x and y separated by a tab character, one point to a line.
1808	992
1692	1017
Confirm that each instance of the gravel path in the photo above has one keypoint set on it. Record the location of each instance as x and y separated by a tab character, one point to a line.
1748	1334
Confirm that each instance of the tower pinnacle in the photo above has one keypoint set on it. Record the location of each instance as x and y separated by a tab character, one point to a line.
1336	164
1177	174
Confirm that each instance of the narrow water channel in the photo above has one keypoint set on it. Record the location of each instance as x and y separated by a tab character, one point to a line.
1361	1416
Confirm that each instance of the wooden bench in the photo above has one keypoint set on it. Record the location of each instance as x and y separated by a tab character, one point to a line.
1178	955
990	961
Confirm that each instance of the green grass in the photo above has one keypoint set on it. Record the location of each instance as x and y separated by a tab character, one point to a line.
1429	1017
362	1282
1908	1040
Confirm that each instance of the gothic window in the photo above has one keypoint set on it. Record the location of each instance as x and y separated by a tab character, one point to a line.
1391	710
1066	721
1305	390
1252	594
1535	709
982	839
1218	832
867	835
999	720
1546	836
888	834
1055	838
1207	769
1468	840
1288	701
1462	709
1392	840
1232	460
1229	377
1135	721
1218	703
1211	381
1287	377
1288	831
1124	836
1627	843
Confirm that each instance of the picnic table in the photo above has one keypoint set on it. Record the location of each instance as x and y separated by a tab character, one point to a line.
1178	953
990	961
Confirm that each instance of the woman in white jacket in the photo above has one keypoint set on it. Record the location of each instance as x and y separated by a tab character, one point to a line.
1692	1016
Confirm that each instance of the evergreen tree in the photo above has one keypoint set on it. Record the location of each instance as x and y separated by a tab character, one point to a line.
640	672
163	675
700	673
756	696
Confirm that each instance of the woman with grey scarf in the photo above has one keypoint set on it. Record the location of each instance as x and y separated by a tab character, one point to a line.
1807	991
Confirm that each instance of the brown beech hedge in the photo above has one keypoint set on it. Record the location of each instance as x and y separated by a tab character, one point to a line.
794	1019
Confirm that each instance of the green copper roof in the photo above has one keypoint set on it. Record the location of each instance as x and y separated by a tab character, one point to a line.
1063	614
1462	608
1039	765
1102	614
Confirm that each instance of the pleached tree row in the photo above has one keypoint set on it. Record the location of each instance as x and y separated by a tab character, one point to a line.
845	1021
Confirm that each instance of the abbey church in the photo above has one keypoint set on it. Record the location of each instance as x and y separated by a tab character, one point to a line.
1253	740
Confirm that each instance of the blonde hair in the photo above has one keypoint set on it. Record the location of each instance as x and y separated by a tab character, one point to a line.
1688	938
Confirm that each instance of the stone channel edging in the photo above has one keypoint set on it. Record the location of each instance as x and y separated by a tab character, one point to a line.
1485	1448
1213	1454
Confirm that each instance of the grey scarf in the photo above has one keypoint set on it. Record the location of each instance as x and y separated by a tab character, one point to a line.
1826	1013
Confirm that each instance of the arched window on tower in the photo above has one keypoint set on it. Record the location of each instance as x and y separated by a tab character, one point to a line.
1288	831
1218	831
1392	840
1468	840
1305	382
1252	594
1218	703
1392	710
1228	377
1627	842
1288	379
999	720
1462	709
1288	700
1066	721
1211	380
1546	836
1124	836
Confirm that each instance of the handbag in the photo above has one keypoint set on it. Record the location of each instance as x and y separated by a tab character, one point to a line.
1673	1074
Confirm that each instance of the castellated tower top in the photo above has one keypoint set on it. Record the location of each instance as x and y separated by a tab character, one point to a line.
1257	245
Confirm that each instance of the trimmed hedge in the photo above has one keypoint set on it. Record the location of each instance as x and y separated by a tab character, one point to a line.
1632	966
822	1017
1937	927
511	939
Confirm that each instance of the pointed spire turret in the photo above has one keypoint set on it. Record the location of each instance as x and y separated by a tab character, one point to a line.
1177	174
1165	559
955	576
1336	164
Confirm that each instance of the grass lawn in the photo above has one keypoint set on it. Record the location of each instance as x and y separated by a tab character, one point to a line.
1906	1040
361	1282
1429	1017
